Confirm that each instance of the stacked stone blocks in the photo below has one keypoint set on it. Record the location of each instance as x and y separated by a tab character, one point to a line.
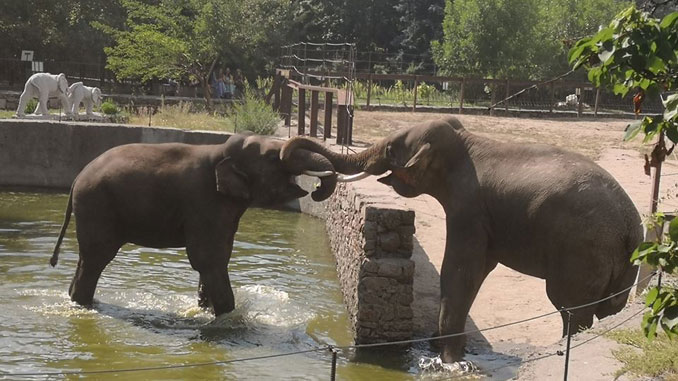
372	243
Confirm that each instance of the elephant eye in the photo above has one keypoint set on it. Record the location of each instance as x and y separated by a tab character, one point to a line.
388	151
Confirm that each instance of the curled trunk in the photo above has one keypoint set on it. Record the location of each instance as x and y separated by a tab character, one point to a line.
304	160
371	160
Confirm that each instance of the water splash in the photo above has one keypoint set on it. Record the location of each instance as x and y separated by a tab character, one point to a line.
435	365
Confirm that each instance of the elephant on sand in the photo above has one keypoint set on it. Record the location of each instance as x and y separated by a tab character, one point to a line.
43	86
537	209
180	195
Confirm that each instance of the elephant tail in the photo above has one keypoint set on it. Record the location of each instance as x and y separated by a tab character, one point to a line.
67	218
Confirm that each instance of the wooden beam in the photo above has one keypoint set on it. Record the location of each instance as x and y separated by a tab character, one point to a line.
314	114
328	115
301	112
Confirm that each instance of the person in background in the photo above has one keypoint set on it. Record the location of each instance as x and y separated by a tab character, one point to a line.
229	87
239	81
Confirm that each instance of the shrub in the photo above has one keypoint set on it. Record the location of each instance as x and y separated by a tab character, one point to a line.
254	114
109	107
31	106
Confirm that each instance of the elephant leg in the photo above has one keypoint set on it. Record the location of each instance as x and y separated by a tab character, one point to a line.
25	96
75	107
563	294
463	271
93	260
42	103
66	105
215	290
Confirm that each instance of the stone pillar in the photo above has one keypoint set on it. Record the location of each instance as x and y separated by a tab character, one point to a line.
372	244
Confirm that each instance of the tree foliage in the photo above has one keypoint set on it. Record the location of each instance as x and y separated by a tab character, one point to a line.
639	53
520	38
183	39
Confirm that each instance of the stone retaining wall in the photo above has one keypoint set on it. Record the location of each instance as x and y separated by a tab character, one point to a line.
372	244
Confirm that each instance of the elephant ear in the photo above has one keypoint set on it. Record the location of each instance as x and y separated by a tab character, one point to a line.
62	83
231	181
96	96
421	156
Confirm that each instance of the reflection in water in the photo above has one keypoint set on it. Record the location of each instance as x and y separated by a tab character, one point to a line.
146	313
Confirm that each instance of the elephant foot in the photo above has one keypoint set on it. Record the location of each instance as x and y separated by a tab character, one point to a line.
452	351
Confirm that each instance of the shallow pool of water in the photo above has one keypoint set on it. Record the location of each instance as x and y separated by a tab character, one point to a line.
287	299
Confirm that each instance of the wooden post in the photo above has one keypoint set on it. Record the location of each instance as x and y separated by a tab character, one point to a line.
508	94
277	89
553	97
340	123
416	84
651	234
595	107
461	96
369	90
328	116
579	102
493	97
301	112
287	104
314	114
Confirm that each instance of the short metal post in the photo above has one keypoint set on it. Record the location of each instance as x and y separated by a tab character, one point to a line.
567	350
333	374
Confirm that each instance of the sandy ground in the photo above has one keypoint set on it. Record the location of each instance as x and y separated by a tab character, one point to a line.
506	295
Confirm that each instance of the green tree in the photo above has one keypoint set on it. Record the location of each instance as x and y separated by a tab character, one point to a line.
420	23
518	38
639	53
185	38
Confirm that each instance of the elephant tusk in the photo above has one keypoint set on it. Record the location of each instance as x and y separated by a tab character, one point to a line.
351	178
319	173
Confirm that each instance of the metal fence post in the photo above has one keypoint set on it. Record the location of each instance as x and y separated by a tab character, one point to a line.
567	350
333	374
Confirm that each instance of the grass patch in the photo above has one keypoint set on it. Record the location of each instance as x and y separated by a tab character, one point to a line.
644	358
6	114
182	116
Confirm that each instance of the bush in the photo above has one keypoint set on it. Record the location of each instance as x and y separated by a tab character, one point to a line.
254	114
109	107
31	106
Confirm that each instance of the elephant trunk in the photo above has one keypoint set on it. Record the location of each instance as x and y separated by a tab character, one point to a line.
371	160
306	162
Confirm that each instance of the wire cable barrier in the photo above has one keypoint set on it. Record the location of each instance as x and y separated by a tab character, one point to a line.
334	349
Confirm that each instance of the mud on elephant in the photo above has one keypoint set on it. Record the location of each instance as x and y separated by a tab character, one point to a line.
537	209
179	195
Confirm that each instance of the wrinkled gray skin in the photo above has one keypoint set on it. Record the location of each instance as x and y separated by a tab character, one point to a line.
537	209
176	195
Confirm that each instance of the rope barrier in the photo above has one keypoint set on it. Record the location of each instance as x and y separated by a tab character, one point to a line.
401	342
334	349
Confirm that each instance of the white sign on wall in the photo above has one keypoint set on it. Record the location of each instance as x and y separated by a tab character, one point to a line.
37	66
27	55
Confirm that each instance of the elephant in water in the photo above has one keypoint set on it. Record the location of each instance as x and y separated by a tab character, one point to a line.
180	195
537	209
43	86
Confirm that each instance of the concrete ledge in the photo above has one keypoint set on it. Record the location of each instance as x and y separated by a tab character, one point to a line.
372	244
43	153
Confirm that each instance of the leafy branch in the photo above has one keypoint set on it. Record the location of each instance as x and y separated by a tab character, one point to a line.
639	53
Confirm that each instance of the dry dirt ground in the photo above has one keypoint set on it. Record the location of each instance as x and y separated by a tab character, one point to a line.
507	296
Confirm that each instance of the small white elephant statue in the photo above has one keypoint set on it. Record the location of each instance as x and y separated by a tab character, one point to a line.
43	86
79	93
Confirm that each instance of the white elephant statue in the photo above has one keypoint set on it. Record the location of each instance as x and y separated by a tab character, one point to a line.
43	86
79	93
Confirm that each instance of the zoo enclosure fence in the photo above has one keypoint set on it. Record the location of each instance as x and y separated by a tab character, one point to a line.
335	350
375	90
